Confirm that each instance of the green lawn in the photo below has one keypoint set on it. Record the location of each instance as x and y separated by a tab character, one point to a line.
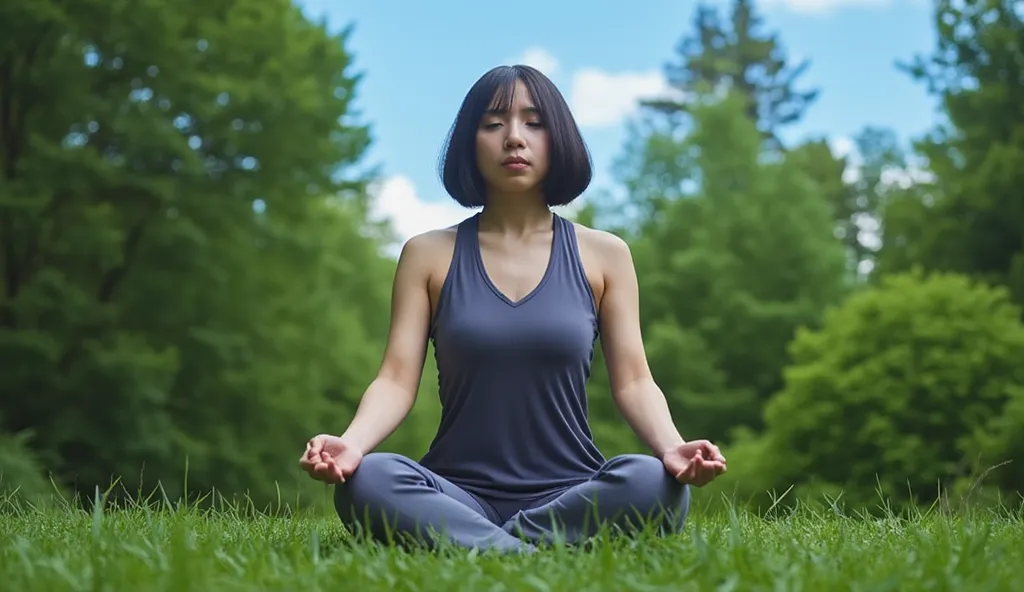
221	551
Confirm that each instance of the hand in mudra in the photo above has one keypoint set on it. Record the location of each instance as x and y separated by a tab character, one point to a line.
696	463
330	459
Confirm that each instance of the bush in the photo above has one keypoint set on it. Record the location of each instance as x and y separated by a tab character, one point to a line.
890	397
22	477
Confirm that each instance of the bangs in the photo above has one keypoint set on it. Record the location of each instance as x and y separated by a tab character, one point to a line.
496	93
501	91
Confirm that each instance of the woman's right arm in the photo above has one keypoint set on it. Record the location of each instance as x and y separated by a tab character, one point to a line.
391	395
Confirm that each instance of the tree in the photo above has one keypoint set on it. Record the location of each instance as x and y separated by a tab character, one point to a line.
730	271
740	58
176	202
970	219
857	185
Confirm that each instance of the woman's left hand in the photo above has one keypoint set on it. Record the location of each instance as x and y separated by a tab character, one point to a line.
695	463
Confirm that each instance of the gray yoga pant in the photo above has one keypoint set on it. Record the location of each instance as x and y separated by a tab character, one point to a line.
394	499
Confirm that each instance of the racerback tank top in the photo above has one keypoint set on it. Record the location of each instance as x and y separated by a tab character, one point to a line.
512	375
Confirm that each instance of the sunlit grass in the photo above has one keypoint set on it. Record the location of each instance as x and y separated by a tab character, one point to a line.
165	546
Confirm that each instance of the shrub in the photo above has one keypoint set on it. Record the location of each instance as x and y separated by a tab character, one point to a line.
894	390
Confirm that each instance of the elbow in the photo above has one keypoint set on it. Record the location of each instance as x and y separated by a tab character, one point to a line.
401	390
634	389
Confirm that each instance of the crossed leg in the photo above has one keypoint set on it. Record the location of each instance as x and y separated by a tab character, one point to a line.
390	495
629	493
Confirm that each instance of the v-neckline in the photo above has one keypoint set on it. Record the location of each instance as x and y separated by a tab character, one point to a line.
555	232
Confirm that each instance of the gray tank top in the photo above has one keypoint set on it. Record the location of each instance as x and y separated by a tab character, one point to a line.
512	375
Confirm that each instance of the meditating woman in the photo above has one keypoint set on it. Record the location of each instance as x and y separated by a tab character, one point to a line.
514	299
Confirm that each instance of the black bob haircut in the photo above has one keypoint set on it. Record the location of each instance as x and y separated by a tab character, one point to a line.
569	164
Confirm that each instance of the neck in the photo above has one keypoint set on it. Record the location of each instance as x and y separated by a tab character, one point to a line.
515	214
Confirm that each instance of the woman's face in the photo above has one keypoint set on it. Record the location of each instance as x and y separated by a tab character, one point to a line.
512	146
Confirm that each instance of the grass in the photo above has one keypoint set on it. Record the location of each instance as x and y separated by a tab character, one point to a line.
175	547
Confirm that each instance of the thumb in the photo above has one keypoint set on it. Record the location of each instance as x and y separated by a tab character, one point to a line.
682	468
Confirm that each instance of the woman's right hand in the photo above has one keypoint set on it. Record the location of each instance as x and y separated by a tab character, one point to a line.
330	459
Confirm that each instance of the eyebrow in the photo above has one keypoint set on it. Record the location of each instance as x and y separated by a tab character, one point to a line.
531	110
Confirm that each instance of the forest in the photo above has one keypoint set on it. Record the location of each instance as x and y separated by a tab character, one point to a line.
193	285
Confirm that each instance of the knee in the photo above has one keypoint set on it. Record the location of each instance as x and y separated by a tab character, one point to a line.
369	483
646	475
642	470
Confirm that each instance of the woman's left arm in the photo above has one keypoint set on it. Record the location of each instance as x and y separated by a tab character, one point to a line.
638	397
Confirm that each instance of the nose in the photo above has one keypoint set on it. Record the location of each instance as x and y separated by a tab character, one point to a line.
514	139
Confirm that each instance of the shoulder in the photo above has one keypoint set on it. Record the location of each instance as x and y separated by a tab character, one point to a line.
606	248
426	244
428	255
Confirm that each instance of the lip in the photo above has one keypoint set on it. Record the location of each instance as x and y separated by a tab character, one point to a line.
515	160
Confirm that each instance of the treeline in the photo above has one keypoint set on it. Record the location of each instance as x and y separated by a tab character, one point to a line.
192	281
847	323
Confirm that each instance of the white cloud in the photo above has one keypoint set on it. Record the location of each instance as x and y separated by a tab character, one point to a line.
539	58
843	146
824	6
396	198
908	177
601	99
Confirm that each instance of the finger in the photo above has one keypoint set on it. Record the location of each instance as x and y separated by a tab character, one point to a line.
336	473
685	474
710	451
715	470
708	470
703	477
699	468
691	469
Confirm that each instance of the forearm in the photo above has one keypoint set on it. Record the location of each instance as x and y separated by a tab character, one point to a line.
645	409
384	406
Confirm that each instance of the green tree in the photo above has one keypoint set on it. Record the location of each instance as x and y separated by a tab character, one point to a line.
857	185
895	386
738	58
185	276
729	270
971	219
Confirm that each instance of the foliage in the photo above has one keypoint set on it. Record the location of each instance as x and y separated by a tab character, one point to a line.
737	58
892	390
190	280
178	288
970	218
20	479
730	270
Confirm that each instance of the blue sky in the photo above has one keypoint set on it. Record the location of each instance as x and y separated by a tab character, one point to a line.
420	58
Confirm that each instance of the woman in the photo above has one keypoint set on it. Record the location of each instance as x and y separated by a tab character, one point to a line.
514	298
